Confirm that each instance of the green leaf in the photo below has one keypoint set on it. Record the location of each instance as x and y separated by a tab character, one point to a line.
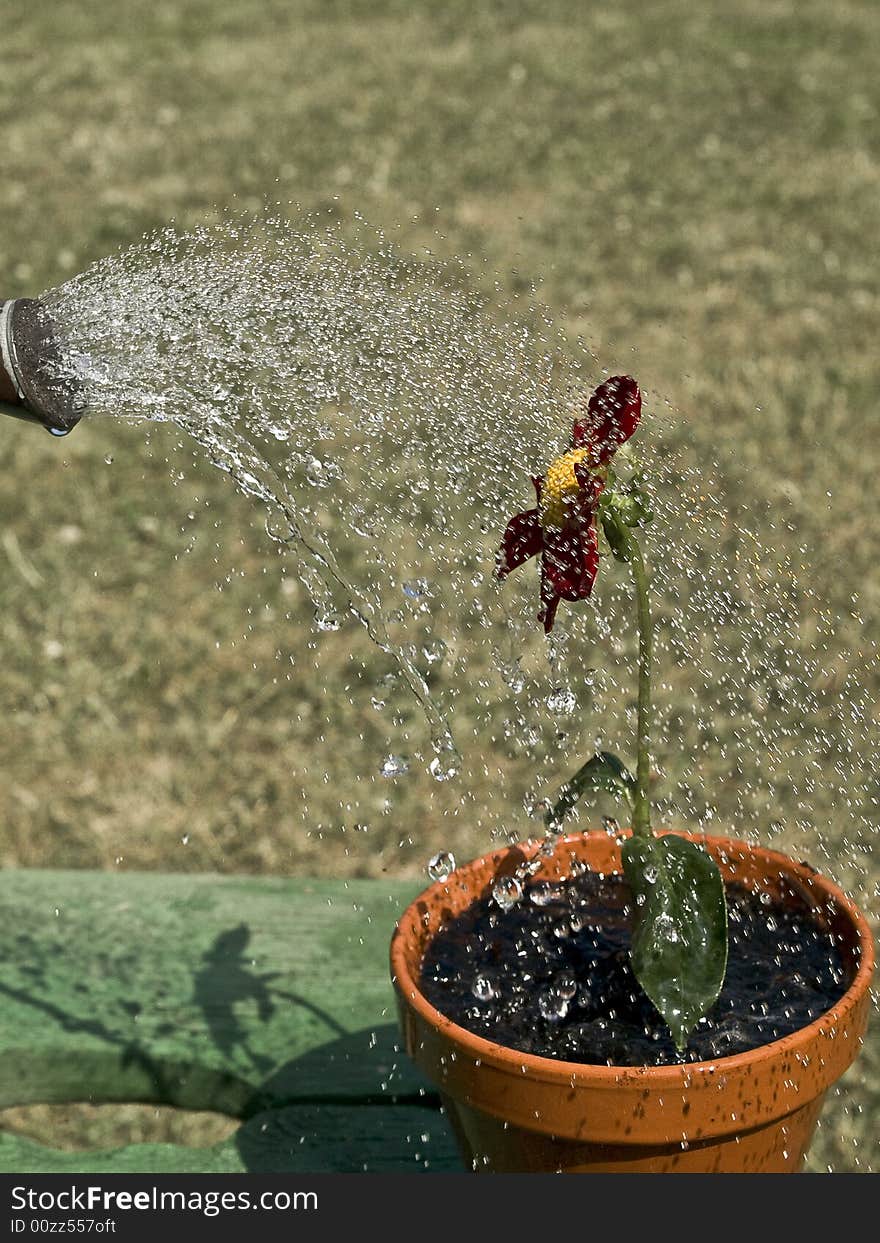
679	946
639	511
603	772
616	533
621	508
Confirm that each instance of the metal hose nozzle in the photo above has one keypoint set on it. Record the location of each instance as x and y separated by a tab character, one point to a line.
33	382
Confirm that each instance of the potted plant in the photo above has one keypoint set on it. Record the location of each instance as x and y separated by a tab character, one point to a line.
526	1103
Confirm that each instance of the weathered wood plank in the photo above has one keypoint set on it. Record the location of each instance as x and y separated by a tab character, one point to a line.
300	1139
233	994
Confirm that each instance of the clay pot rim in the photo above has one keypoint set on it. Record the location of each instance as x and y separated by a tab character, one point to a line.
554	1071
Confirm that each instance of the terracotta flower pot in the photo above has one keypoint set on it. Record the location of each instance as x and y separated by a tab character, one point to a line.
753	1112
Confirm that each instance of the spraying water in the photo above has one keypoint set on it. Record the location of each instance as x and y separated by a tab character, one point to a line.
388	422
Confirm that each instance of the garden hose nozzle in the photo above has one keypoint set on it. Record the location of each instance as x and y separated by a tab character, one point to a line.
34	385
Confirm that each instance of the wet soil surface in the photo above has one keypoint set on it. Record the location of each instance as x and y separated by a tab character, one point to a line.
551	977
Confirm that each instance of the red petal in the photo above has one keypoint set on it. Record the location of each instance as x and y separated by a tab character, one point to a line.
590	567
591	487
571	559
613	415
522	539
549	602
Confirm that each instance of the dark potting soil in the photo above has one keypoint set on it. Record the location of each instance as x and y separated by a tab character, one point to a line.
552	976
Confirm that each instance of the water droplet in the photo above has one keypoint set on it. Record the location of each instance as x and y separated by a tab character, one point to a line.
545	893
562	701
514	678
610	825
548	846
484	987
416	588
394	766
442	865
322	474
447	762
650	874
443	768
434	652
377	703
664	929
507	892
566	985
552	1005
328	621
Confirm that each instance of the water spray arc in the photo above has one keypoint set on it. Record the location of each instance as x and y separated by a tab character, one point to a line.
34	384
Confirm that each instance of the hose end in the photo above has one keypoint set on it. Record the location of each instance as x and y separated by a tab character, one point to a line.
34	383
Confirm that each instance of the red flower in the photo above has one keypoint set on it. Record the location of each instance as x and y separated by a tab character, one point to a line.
562	529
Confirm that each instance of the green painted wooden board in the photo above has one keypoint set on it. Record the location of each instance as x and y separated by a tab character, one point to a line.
265	999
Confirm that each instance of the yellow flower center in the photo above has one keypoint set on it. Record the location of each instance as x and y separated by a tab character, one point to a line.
559	488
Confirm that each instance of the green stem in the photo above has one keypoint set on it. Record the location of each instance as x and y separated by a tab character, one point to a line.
642	804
